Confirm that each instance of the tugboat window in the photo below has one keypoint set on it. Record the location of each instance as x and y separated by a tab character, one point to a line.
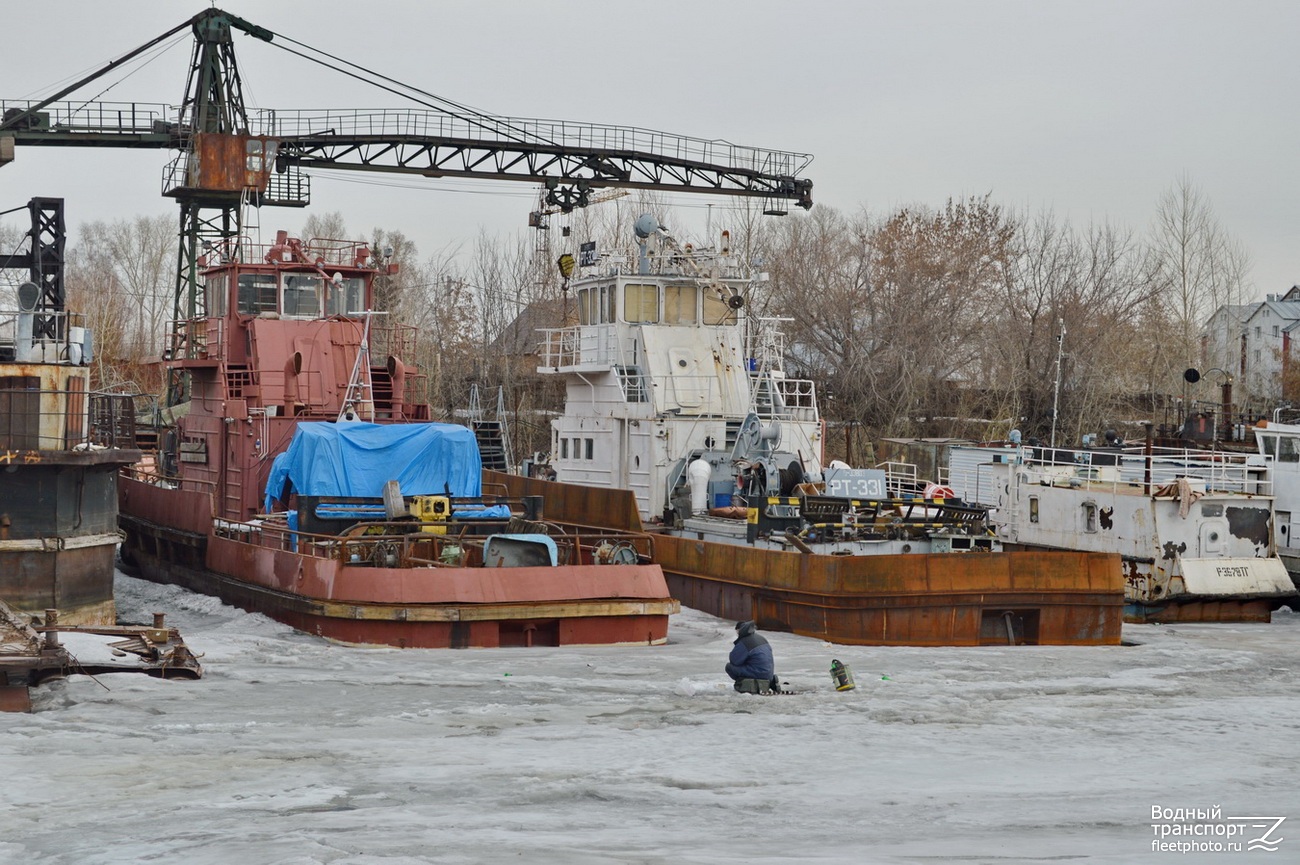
257	293
217	288
1090	517
679	304
564	449
589	444
716	311
602	305
301	296
1033	509
641	303
582	306
348	296
1288	449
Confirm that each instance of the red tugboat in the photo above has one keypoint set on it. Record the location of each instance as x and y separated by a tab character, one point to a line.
383	535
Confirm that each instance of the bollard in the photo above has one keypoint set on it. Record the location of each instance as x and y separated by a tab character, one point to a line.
51	637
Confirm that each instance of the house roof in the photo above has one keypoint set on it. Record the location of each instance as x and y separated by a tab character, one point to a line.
521	336
1288	310
1239	312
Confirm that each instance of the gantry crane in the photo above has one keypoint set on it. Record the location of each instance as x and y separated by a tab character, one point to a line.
230	158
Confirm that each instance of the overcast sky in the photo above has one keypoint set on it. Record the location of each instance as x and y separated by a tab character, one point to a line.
1089	109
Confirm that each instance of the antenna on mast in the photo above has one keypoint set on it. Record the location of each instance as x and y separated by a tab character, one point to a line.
1056	390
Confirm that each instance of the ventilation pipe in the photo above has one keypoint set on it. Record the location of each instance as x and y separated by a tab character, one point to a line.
292	367
698	474
397	375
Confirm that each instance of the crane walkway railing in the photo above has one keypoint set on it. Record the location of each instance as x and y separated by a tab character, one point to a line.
420	123
143	118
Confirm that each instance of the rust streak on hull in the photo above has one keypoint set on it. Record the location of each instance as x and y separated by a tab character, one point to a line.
954	599
77	582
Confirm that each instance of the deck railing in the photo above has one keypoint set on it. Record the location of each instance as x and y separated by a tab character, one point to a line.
43	337
1131	469
454	544
32	419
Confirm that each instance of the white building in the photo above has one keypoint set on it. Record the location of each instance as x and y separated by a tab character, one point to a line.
1249	342
1265	341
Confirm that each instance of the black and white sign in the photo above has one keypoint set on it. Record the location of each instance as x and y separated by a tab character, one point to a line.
855	483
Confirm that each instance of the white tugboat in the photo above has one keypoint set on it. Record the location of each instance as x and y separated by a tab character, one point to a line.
676	394
665	368
1194	528
1279	449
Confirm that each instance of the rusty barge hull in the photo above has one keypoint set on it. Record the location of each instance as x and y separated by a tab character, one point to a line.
169	538
950	599
58	532
936	599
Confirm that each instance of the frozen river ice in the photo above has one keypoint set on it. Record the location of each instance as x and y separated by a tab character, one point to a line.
295	751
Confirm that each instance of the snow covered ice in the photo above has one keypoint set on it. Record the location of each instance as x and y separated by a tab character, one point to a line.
292	750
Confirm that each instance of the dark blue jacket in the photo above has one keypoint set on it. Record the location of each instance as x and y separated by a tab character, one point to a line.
751	656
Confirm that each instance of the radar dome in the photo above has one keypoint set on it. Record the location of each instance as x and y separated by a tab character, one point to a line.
645	226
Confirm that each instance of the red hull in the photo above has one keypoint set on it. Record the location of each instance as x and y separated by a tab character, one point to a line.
170	539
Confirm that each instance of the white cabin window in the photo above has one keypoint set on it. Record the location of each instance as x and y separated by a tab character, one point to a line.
584	296
589	445
1288	449
641	303
679	304
577	449
1090	517
611	309
716	310
564	449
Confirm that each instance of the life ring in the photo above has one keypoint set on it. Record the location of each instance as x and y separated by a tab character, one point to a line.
935	491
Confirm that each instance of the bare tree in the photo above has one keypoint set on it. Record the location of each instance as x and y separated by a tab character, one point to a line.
108	313
933	277
1197	267
1084	289
325	226
136	259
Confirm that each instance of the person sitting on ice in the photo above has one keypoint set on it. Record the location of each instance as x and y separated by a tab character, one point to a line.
751	665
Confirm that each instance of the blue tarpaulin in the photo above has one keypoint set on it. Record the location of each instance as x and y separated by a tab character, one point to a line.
357	459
